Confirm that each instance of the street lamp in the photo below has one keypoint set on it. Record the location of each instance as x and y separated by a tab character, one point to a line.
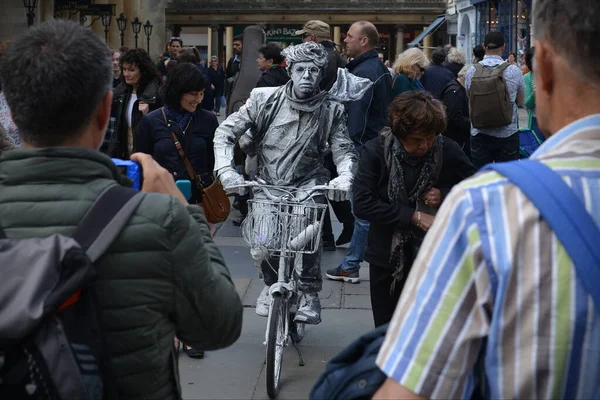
122	22
106	23
30	5
148	31
137	26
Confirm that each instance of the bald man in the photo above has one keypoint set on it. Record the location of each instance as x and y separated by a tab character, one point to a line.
366	117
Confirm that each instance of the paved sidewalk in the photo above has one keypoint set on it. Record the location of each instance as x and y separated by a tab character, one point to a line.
239	371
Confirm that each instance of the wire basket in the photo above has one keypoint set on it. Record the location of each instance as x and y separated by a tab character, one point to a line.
283	227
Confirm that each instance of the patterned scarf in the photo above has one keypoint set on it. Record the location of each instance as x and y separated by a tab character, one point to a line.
395	158
181	117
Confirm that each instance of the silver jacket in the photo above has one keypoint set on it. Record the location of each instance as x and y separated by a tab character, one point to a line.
288	137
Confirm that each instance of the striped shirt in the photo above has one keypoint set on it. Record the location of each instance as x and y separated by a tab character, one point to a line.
493	287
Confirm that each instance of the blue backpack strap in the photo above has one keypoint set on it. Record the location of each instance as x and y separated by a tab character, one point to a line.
565	214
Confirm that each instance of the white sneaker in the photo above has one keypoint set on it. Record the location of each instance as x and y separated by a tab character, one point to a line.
263	302
310	309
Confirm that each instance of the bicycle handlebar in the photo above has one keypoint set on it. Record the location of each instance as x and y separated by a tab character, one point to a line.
287	190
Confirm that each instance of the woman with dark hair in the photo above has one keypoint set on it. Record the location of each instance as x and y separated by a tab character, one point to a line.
193	127
272	64
136	96
403	177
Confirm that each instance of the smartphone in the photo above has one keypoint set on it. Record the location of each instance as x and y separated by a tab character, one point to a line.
185	187
131	170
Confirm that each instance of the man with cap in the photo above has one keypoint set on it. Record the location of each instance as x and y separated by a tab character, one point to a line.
320	32
500	143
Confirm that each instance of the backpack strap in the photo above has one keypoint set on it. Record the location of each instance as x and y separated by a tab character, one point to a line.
105	220
565	214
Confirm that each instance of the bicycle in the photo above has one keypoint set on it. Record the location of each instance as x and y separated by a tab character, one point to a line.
285	226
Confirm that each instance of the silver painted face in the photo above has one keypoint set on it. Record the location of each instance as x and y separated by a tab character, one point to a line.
306	77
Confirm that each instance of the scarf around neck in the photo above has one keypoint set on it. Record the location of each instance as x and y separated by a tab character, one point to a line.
180	117
396	158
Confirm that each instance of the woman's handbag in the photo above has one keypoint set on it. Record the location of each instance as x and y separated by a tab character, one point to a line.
214	200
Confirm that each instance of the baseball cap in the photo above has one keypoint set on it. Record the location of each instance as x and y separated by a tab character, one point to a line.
317	28
214	58
494	40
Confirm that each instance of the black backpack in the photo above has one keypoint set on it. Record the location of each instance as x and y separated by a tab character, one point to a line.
51	340
353	374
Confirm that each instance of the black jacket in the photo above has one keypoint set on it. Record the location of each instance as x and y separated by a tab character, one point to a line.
217	78
273	77
334	61
454	68
435	78
367	116
371	201
115	141
154	137
233	67
456	100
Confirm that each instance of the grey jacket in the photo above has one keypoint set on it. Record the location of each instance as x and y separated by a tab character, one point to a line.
163	276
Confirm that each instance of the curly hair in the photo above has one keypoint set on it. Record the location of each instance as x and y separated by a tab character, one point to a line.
184	78
143	61
416	111
309	51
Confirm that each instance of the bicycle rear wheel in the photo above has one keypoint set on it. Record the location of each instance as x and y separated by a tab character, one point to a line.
276	341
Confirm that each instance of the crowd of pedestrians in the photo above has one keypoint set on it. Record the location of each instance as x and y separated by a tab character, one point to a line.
468	274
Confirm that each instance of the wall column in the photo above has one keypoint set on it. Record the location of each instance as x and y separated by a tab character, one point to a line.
209	35
337	36
214	39
399	39
427	44
228	44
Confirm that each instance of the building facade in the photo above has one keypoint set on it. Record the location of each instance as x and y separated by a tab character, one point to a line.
398	22
478	17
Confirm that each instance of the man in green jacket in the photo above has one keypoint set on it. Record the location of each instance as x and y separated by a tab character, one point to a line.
163	276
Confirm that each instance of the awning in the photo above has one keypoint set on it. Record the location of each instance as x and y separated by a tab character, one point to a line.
429	30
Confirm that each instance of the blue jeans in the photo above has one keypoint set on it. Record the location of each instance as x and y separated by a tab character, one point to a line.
358	244
219	102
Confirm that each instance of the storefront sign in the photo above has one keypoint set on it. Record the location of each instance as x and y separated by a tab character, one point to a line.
84	6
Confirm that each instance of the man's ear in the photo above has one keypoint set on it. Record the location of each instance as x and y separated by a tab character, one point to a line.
543	65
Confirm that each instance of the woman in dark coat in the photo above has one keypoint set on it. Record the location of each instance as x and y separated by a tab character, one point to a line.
136	96
403	177
456	100
194	127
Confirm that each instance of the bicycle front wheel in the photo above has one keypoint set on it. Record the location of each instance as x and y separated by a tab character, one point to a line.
278	322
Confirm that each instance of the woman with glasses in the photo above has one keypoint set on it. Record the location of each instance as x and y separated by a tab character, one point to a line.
409	68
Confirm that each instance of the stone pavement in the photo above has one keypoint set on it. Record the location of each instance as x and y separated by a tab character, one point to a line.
238	372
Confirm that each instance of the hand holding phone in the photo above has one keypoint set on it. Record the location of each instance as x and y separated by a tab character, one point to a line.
156	178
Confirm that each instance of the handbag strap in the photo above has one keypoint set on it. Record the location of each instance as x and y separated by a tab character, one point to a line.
565	214
188	165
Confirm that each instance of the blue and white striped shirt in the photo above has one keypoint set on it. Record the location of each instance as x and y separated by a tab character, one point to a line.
493	285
